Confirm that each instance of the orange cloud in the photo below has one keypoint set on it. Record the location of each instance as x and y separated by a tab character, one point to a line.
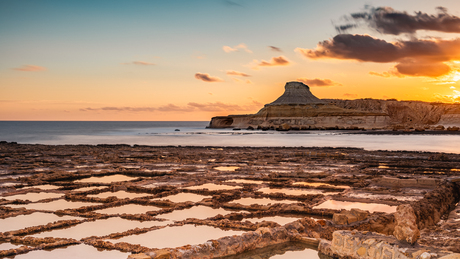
391	73
207	78
414	57
318	82
274	61
236	73
237	48
142	63
30	68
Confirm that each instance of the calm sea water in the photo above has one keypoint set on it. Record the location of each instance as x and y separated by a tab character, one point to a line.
194	133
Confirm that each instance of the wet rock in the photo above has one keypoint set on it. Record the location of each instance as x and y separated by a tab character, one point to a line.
348	217
406	224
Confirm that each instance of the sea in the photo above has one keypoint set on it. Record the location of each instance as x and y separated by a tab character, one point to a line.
195	133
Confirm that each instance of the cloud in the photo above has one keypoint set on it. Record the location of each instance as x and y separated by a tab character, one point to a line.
347	95
190	107
391	73
236	73
415	57
318	82
389	21
207	78
242	81
273	48
141	63
30	68
274	61
237	48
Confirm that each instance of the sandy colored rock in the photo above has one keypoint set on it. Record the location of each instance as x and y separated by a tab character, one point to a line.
139	256
406	224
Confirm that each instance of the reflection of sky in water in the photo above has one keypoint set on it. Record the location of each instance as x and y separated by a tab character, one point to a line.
54	205
128	209
213	187
33	196
292	191
100	227
371	207
260	201
74	252
30	220
183	197
307	253
106	179
198	212
278	219
177	236
119	195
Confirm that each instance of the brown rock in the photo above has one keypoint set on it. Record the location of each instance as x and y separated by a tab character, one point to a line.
406	224
139	256
340	219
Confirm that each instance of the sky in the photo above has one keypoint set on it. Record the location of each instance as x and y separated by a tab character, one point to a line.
184	60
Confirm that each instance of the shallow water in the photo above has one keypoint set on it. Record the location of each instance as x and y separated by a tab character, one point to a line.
128	209
106	179
371	207
260	201
84	189
245	181
99	227
119	195
74	252
54	205
226	168
293	191
33	196
43	187
184	197
213	187
31	220
321	184
278	219
177	236
307	253
8	246
198	212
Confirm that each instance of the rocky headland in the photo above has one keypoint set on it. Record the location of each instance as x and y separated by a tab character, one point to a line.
299	109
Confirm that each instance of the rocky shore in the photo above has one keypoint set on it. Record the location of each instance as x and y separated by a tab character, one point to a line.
343	202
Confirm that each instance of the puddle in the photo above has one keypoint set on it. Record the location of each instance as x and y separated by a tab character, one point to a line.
85	189
183	197
119	195
245	181
54	205
293	191
8	246
107	179
307	253
177	236
226	168
322	184
33	196
371	207
260	201
383	196
100	227
31	220
213	187
198	212
128	209
43	187
74	252
278	219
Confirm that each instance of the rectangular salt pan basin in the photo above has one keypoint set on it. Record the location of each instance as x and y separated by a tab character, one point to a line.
260	201
226	168
73	252
184	197
213	187
291	191
100	227
128	209
119	195
54	205
177	236
106	179
30	220
371	207
33	196
246	181
198	212
278	219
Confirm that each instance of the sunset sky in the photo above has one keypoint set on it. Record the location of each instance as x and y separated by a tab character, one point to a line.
152	60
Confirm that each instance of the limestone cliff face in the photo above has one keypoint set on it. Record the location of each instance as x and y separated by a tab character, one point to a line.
299	108
407	112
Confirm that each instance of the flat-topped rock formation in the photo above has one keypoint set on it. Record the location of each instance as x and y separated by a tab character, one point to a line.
299	108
